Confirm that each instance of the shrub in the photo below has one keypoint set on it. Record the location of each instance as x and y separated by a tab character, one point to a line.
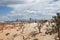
7	34
36	39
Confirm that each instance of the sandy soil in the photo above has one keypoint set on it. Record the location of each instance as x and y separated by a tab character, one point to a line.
15	34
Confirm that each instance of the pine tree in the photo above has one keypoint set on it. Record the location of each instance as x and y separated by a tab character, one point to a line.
30	20
17	20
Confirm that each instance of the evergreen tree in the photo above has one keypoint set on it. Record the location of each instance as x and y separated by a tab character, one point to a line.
17	20
30	20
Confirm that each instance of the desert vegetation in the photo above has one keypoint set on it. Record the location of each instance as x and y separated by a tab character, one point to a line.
42	30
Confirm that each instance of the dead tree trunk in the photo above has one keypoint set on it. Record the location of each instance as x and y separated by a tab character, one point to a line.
39	27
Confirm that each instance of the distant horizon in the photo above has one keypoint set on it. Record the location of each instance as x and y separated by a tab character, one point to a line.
24	20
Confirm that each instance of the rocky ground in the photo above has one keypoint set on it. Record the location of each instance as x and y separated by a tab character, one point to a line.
27	34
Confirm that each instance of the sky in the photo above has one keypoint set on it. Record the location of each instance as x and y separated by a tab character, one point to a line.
25	9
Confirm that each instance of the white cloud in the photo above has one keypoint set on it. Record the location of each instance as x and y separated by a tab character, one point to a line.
7	2
34	8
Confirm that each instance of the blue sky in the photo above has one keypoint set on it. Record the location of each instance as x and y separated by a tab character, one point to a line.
25	9
4	10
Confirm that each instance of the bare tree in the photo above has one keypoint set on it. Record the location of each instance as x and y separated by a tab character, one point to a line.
39	27
57	20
